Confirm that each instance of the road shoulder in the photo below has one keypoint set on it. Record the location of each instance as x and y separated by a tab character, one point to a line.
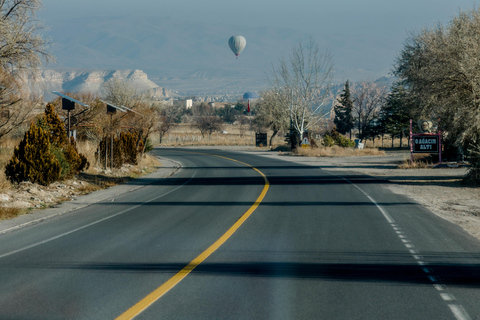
168	168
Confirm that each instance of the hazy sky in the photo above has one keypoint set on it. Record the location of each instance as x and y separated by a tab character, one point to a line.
348	15
385	22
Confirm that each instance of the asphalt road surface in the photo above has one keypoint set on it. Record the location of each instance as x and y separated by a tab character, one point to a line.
239	236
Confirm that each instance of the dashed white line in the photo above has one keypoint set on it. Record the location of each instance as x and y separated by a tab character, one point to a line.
447	296
440	287
457	310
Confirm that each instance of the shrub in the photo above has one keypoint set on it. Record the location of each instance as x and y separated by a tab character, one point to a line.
129	143
33	159
64	164
63	148
334	138
77	161
125	149
328	141
51	123
341	141
45	154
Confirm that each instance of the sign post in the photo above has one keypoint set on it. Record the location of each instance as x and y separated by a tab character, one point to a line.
425	143
305	143
260	139
68	104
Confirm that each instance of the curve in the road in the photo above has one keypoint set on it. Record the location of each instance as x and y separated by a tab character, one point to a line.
143	304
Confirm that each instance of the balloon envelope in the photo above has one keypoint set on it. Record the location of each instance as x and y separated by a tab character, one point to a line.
250	96
237	44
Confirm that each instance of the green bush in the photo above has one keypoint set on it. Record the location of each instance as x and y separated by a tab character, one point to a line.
45	154
341	141
77	161
64	164
335	138
65	149
328	141
33	159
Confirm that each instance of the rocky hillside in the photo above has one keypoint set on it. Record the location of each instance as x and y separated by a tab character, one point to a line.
76	80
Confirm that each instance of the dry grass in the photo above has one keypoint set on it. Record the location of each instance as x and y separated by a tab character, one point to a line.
9	213
184	135
6	153
420	161
336	151
387	143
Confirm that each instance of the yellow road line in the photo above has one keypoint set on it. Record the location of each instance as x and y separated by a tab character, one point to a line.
143	304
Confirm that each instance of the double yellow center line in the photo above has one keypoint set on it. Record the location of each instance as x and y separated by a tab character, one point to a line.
143	304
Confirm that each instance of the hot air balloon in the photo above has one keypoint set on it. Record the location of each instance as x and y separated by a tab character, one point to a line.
237	44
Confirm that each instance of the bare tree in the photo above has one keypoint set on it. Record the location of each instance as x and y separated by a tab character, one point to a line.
143	115
272	113
208	124
168	116
304	81
21	47
368	99
121	92
16	107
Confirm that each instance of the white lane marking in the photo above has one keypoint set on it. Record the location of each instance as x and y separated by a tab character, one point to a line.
459	312
94	223
440	287
447	296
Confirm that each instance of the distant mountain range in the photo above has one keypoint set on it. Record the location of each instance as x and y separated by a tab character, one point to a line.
77	80
188	57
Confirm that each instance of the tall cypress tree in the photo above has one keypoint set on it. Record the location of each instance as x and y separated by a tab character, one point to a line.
343	111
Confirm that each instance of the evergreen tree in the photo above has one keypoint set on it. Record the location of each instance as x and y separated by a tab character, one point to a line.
396	112
33	159
62	147
51	120
343	112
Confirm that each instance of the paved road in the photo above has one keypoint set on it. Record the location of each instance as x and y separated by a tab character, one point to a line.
296	243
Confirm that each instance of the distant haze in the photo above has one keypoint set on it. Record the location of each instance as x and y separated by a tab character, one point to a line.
182	44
